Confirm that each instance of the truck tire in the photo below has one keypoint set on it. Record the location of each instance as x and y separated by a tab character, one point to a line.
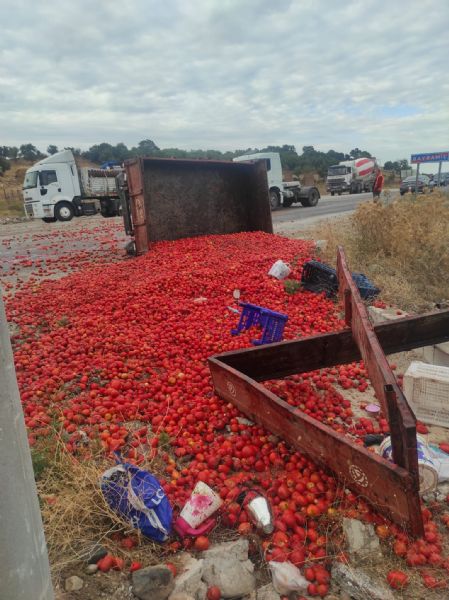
275	200
332	193
287	202
312	199
64	211
49	219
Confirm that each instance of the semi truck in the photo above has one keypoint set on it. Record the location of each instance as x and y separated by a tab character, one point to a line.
352	176
281	192
55	188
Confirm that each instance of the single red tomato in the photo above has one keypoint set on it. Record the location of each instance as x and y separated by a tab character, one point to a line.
398	580
201	543
213	593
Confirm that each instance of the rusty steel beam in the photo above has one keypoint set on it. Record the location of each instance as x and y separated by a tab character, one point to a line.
401	419
281	359
385	485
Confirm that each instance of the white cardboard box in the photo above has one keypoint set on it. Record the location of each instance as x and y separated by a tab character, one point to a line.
426	388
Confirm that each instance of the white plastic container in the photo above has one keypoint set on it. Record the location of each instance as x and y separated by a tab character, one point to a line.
426	388
280	270
202	504
428	474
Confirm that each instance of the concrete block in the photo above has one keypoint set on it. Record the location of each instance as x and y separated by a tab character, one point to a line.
358	585
361	539
381	315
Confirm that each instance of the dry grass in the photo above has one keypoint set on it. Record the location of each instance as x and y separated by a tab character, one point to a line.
11	202
75	513
402	245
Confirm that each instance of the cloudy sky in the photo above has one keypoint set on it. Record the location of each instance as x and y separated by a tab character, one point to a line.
227	74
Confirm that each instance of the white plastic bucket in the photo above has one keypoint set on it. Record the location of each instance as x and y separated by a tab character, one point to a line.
428	474
202	504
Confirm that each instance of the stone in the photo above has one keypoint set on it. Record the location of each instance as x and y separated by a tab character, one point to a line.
361	539
201	592
73	583
382	315
91	569
321	244
243	421
267	592
190	571
227	566
358	585
181	596
153	583
237	549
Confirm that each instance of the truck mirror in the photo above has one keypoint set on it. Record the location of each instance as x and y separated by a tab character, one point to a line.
43	191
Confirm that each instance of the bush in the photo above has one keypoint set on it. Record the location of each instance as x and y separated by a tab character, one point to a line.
4	165
401	246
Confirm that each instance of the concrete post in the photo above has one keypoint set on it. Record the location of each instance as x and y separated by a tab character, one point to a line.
24	567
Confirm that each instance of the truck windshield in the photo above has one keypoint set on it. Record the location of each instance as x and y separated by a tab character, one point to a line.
30	180
336	171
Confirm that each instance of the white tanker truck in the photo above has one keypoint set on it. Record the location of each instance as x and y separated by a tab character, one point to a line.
352	176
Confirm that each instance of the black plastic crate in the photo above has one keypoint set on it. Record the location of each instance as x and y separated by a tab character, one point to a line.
319	277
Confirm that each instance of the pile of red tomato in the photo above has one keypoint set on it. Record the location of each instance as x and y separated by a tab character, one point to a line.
118	353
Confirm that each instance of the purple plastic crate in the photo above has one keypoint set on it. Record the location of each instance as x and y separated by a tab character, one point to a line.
271	322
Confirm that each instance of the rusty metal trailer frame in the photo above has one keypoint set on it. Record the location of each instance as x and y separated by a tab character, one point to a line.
392	487
168	199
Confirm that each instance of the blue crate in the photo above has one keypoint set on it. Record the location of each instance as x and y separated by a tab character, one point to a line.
271	322
366	288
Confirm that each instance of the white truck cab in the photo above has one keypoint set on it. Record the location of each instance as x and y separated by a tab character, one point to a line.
56	189
50	187
281	192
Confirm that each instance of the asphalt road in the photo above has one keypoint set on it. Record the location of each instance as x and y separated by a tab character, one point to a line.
327	206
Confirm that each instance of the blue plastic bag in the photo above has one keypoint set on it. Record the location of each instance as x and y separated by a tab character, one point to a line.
139	498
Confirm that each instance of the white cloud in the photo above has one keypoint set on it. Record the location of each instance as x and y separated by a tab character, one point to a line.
227	74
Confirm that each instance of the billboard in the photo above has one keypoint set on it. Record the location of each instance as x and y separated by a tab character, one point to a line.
429	157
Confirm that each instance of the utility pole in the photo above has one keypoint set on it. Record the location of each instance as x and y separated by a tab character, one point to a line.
24	567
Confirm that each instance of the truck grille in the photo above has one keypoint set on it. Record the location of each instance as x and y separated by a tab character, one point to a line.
335	182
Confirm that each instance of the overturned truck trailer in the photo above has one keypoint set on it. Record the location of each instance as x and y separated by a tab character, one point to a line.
168	199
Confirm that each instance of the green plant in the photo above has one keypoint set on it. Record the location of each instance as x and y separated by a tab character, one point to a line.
291	286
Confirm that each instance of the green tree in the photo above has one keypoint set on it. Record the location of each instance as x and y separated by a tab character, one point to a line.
357	153
145	148
100	153
9	151
30	152
4	165
13	152
52	149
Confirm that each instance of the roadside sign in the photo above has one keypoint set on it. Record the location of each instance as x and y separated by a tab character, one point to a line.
429	157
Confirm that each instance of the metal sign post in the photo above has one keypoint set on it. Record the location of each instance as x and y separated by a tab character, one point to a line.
428	157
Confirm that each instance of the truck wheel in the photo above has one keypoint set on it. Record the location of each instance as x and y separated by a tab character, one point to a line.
332	193
64	211
313	198
287	202
49	219
275	200
131	249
